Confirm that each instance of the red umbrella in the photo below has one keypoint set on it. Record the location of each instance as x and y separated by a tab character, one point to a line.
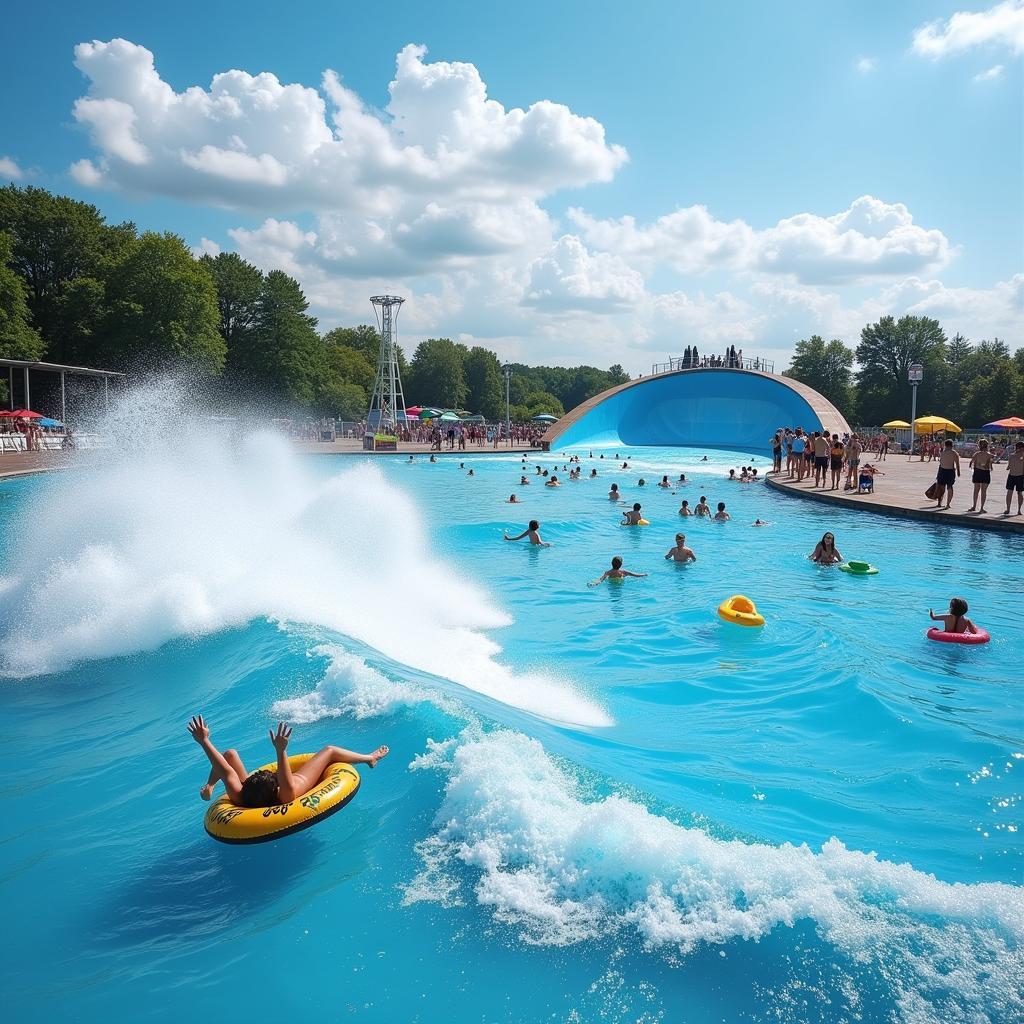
26	414
1010	423
6	412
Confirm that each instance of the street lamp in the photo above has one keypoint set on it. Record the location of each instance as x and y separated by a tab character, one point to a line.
915	374
507	370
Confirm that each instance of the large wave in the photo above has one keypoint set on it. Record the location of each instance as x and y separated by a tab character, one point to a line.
562	868
186	526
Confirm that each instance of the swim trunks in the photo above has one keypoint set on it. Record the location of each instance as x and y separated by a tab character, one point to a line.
982	476
946	477
821	461
1015	483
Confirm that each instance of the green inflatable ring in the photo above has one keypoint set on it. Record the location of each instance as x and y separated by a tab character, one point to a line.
859	568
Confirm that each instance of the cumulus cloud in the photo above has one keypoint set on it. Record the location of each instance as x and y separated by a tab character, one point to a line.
865	65
10	170
1001	25
869	239
251	140
989	74
569	277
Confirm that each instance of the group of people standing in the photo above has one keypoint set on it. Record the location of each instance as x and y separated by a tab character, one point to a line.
827	458
980	464
731	360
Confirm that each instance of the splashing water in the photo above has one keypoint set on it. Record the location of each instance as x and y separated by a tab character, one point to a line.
186	527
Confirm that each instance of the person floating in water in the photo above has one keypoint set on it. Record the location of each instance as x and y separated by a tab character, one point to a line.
616	572
633	516
760	522
533	532
681	553
956	621
265	788
825	552
513	500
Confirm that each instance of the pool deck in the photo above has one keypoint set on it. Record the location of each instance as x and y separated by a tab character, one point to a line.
901	493
24	463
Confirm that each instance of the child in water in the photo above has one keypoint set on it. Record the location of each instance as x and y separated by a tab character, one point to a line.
703	508
665	482
531	531
684	509
956	621
681	553
513	500
616	572
265	788
632	517
613	494
721	516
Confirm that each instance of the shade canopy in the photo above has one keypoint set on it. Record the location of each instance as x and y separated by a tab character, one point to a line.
449	417
895	425
50	423
413	410
933	424
1009	423
545	418
429	414
23	414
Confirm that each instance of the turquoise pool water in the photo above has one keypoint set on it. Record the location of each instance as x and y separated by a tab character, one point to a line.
602	804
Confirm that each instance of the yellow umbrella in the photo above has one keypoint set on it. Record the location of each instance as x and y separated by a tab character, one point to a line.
933	424
895	425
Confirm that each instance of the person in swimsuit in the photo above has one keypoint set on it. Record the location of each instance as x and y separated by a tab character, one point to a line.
553	482
820	447
513	500
524	481
777	453
836	453
799	443
265	788
853	453
883	445
681	553
533	532
826	553
665	482
613	494
616	572
956	621
721	516
633	516
1015	476
703	508
981	464
684	509
949	470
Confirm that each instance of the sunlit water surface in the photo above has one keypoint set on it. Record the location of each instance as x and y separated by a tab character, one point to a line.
601	803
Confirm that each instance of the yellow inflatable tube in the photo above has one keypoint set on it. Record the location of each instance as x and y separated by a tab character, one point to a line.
741	611
229	823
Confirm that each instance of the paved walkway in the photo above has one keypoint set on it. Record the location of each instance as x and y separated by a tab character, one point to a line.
21	463
901	493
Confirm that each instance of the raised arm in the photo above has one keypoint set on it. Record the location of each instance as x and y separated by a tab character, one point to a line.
285	782
200	732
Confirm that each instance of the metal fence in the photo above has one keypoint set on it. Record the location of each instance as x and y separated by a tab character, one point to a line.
715	363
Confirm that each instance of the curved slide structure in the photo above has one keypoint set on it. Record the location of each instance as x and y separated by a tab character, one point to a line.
698	408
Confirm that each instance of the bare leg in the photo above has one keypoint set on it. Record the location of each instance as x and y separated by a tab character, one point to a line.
232	779
310	773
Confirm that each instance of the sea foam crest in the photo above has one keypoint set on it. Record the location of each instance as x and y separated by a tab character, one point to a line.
562	869
185	527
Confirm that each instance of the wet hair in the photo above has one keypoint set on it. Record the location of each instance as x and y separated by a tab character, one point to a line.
957	606
664	479
685	502
615	487
721	506
680	537
636	506
616	562
260	789
534	525
829	534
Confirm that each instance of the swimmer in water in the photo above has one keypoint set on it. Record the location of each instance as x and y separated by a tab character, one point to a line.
665	482
513	500
593	473
732	474
825	552
632	517
684	509
642	482
682	478
681	553
616	572
705	459
471	473
433	458
956	621
533	532
760	522
553	482
703	508
613	494
524	481
265	788
721	516
412	458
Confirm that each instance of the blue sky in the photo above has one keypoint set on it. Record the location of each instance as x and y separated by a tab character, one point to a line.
745	173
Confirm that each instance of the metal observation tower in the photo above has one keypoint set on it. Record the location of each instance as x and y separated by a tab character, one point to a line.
388	398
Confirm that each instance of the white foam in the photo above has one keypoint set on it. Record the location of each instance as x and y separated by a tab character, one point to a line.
562	869
187	527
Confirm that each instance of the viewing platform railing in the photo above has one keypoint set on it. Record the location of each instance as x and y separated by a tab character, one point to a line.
715	362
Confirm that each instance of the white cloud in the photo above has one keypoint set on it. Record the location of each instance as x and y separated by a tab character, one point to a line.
869	239
569	277
1001	25
251	140
206	247
10	170
865	65
989	74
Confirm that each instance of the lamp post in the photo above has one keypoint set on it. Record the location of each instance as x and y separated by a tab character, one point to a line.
915	374
507	370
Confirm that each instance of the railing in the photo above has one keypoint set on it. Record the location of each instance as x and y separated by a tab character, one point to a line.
715	362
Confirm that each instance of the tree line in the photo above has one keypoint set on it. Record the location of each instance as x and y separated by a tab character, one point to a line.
77	290
971	384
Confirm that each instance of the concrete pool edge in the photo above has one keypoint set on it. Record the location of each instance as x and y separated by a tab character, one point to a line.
865	503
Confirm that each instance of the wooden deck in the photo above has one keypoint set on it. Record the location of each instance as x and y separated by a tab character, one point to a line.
901	493
22	463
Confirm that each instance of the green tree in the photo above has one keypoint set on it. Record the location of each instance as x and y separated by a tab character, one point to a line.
436	374
540	402
350	366
161	308
239	286
988	396
18	338
486	393
885	352
826	368
281	358
58	240
341	400
617	375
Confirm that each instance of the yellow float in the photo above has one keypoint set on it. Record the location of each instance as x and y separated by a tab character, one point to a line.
639	522
741	611
229	823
